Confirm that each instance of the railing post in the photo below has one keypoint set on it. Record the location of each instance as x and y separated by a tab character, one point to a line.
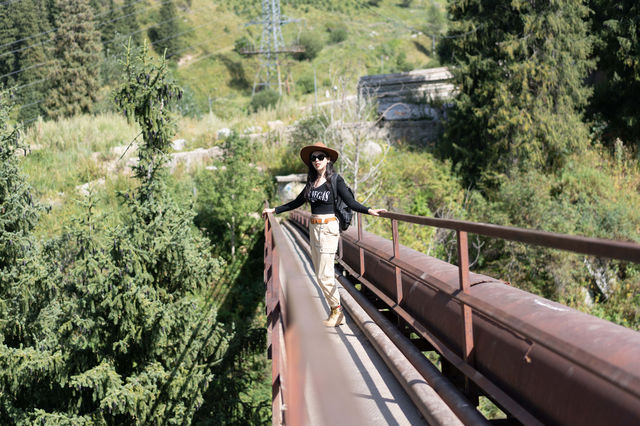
274	320
361	250
396	253
268	276
467	324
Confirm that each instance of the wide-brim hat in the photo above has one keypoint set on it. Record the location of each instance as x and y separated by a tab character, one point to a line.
305	153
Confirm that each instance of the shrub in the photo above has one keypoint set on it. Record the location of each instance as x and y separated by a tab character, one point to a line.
312	44
242	44
264	99
128	335
337	32
305	83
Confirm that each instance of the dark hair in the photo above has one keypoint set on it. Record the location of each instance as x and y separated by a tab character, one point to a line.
312	175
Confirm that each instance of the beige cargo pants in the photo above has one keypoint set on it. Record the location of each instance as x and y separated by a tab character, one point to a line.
324	245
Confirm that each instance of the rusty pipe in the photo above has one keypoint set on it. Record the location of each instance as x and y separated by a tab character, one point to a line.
457	402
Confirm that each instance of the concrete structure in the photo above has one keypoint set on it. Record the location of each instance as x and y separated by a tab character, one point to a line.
289	186
412	104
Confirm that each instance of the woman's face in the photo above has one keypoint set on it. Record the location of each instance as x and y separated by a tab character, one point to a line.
319	160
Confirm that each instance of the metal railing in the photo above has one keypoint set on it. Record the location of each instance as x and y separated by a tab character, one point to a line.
470	305
582	245
302	360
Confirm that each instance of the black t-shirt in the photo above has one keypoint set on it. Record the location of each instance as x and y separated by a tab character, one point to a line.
321	199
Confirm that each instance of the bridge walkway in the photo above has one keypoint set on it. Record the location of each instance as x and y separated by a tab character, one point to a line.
368	378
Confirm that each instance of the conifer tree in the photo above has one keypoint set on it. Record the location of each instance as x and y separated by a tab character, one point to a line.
18	210
166	35
130	26
108	31
24	62
26	286
131	336
617	82
8	36
520	68
74	76
231	193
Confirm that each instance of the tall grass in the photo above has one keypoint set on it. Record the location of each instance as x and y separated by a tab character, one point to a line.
70	152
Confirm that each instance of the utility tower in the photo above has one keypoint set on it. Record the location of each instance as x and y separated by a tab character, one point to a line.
271	46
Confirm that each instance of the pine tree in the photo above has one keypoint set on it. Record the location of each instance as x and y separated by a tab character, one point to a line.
231	193
131	336
108	30
128	26
617	82
520	68
166	35
8	36
26	286
74	77
24	62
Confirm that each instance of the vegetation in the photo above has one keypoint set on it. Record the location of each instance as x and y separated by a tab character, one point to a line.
73	77
264	99
617	80
143	300
166	36
312	45
231	213
520	72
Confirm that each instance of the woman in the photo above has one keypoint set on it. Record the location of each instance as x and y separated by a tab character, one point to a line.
324	229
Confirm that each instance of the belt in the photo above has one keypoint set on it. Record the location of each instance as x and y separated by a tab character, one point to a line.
323	220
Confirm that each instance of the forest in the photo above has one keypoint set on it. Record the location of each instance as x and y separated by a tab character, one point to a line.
131	284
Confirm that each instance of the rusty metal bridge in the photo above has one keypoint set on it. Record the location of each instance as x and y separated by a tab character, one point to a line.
540	362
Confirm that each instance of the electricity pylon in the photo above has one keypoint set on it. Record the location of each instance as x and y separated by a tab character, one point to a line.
271	46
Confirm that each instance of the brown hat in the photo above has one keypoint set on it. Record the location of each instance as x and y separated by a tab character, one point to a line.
305	153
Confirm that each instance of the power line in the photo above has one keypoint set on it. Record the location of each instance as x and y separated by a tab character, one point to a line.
97	27
55	29
182	33
137	12
146	28
29	84
271	44
127	35
24	69
111	41
9	2
25	123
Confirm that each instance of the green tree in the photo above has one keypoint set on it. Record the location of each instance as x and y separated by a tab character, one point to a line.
23	62
131	336
166	35
74	76
232	194
520	68
264	99
617	80
130	26
26	286
109	30
312	45
19	214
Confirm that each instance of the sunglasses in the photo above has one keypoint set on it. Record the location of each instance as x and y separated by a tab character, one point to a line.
320	157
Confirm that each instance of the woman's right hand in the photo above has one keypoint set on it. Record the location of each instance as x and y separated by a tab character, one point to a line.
267	210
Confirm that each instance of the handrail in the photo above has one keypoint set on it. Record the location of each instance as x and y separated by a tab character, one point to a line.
576	244
611	249
471	305
300	349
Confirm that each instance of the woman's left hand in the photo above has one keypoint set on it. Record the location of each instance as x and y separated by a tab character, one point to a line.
376	212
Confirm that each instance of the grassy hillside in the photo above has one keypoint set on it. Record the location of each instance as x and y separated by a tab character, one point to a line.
383	38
